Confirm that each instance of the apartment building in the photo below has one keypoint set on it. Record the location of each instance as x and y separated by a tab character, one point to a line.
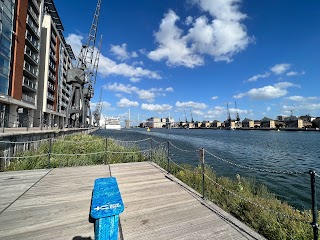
56	58
27	87
19	57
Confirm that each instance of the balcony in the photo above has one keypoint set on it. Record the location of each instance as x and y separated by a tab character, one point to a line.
33	27
33	43
53	56
28	98
33	15
35	4
51	86
50	96
30	85
50	107
31	56
51	77
30	70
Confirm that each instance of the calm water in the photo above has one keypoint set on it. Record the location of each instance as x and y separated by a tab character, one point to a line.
280	151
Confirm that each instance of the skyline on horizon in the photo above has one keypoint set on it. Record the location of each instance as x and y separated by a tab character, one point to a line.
167	57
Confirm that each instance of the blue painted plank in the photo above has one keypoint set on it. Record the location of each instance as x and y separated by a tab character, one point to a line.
106	199
107	228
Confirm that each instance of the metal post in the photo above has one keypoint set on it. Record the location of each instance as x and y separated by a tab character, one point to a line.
202	168
41	119
106	156
314	205
27	119
151	151
168	157
3	117
49	151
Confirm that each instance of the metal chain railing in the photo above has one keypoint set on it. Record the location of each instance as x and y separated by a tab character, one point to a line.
256	169
182	150
256	204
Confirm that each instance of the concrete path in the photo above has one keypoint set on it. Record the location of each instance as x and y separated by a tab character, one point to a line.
55	204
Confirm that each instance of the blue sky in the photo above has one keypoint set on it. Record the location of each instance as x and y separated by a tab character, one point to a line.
164	57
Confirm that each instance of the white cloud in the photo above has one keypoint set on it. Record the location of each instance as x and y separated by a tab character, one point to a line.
119	87
216	112
105	105
135	79
294	73
172	46
258	76
268	109
301	98
75	42
268	92
169	89
156	107
124	103
121	52
191	104
227	10
220	37
280	68
214	97
109	67
145	94
311	108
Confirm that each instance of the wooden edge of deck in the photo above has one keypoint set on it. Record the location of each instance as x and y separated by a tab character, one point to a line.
227	217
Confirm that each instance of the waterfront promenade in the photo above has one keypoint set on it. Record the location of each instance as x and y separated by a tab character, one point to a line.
55	204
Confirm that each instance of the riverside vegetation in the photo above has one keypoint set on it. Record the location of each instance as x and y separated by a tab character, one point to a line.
283	222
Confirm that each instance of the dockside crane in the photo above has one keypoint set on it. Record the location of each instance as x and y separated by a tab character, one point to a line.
97	112
228	114
82	77
191	116
237	114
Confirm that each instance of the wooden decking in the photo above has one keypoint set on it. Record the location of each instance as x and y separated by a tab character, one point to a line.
55	204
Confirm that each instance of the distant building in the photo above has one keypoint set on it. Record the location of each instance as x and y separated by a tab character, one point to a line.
154	122
281	118
230	124
205	124
293	122
267	123
216	124
167	122
257	123
247	123
316	123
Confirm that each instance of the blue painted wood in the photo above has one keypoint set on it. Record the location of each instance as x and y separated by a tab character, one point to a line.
105	208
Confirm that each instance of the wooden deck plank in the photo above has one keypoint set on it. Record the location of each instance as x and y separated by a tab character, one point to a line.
166	209
157	206
57	207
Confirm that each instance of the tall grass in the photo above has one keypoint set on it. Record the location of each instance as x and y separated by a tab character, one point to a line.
75	150
246	199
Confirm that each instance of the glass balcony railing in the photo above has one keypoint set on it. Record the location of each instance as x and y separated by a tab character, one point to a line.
33	26
28	98
33	14
29	83
32	40
31	54
50	96
30	69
